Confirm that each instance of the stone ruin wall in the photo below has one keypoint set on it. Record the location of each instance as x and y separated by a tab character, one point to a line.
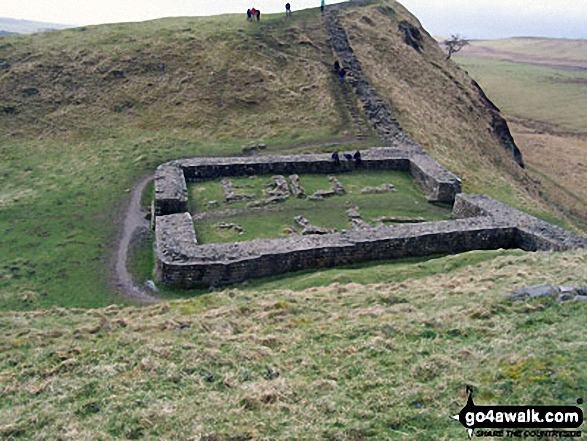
171	189
182	263
480	222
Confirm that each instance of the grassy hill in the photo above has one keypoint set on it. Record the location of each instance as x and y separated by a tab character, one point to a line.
371	351
385	361
86	112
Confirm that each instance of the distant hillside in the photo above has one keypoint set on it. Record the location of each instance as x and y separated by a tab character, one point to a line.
14	26
554	52
539	84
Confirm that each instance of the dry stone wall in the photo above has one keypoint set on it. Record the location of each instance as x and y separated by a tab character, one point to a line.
480	221
170	179
482	224
380	115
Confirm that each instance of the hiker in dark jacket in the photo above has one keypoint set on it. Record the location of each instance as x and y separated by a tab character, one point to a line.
342	75
358	158
336	158
287	9
249	15
258	15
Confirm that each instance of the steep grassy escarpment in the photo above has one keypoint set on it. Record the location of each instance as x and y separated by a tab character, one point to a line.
435	101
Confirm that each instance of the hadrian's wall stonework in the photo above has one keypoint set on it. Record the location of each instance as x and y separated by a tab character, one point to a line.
482	223
170	179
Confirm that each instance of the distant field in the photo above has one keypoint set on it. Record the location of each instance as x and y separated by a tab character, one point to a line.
555	96
542	90
544	51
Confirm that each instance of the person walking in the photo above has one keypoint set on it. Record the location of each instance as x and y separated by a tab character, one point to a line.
342	75
249	15
322	6
287	9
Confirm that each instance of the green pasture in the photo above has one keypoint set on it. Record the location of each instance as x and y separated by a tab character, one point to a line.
271	221
554	96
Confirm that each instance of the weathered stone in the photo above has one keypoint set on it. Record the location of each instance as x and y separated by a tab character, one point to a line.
279	188
230	195
412	35
321	194
580	298
171	193
337	187
383	188
360	224
535	292
492	225
400	220
353	213
296	187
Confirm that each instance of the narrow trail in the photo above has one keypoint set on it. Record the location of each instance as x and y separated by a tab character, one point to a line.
133	220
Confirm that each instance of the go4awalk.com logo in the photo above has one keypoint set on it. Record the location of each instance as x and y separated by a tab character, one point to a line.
520	421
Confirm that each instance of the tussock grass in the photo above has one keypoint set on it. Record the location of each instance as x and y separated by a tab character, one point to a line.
345	361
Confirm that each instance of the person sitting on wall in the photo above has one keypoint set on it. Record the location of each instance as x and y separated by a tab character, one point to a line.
348	157
336	158
358	158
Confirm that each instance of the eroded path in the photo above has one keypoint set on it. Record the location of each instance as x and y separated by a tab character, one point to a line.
134	220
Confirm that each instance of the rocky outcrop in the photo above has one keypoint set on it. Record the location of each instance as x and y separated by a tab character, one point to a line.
546	290
500	126
412	35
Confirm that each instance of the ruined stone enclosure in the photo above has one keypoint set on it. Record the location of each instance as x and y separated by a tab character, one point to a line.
480	222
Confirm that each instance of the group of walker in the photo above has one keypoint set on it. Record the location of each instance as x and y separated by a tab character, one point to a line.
254	14
356	157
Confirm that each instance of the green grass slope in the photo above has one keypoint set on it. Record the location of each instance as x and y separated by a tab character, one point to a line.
86	112
385	361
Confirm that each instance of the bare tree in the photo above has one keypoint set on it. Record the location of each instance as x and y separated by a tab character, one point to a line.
455	44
